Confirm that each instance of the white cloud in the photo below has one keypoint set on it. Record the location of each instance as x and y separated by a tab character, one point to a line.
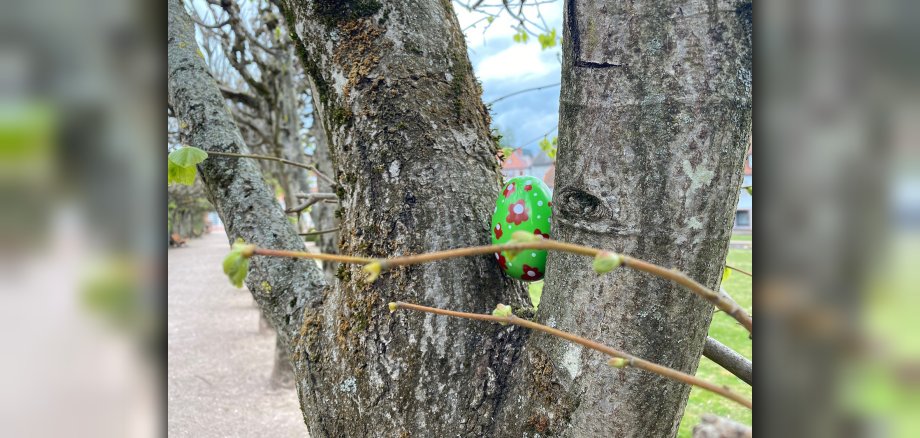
520	61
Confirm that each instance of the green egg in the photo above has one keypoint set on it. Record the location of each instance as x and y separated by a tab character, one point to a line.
525	204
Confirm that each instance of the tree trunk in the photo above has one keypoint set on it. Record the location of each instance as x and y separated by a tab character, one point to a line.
323	214
655	113
288	137
417	170
246	205
282	371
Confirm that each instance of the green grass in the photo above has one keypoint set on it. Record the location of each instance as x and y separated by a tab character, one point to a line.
743	237
725	329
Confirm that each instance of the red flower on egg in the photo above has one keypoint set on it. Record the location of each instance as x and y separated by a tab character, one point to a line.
531	273
539	233
517	213
501	261
528	187
498	231
509	189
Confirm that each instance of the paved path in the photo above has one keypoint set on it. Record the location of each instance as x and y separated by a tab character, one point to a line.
219	363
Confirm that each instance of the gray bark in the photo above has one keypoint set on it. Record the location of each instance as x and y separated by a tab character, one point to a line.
246	205
417	170
655	113
729	359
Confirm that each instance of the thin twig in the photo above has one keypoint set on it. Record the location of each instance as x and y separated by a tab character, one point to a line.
314	233
740	270
311	199
310	255
270	158
633	361
721	301
522	91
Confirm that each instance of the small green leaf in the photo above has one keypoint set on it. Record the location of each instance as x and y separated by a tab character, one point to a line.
502	311
606	262
178	174
490	19
549	146
618	362
535	290
393	306
506	152
547	40
187	156
750	190
521	36
236	264
725	274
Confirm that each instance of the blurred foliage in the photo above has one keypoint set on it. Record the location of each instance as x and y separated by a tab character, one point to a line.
110	291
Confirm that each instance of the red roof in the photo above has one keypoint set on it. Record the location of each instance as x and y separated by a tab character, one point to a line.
517	161
550	176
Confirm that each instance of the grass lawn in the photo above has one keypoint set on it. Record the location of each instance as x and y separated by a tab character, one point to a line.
743	237
726	330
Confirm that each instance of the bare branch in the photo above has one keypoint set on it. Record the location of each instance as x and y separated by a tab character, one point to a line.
729	359
721	300
312	198
630	360
740	270
315	233
240	96
280	160
523	91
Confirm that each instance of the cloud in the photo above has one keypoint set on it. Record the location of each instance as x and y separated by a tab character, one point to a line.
520	61
504	66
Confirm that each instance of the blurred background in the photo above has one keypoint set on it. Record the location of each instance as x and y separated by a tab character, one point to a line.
82	323
82	277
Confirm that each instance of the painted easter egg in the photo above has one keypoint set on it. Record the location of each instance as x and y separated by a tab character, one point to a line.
523	205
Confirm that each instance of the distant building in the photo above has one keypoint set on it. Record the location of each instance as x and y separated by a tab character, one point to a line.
744	218
540	166
516	165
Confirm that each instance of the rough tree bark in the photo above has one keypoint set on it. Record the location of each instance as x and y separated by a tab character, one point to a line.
417	171
246	205
655	113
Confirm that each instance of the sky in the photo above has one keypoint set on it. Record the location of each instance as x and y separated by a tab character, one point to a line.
505	66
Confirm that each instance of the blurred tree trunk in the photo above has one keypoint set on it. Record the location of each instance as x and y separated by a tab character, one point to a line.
282	371
286	132
323	214
655	113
